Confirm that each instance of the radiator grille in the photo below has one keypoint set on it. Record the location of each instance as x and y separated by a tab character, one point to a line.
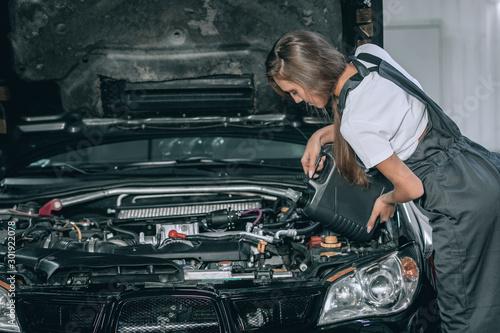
169	314
54	317
276	313
186	314
184	210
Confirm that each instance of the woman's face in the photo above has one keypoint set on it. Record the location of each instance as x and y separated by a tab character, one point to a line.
299	94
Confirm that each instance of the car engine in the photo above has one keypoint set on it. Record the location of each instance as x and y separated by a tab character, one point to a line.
221	232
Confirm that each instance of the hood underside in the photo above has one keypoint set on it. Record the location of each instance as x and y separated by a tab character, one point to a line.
93	46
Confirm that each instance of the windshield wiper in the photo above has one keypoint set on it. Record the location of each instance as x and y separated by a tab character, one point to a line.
209	121
64	166
201	161
45	165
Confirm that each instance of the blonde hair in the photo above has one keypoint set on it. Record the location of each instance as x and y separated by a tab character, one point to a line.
307	59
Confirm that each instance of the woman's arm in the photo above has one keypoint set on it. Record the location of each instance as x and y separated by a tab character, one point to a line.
407	187
316	141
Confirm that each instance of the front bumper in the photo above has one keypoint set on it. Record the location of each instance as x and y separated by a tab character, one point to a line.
124	309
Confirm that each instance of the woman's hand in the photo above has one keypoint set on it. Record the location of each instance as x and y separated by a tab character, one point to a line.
407	187
316	141
381	209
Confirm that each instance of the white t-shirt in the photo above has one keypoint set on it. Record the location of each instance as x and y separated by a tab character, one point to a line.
380	118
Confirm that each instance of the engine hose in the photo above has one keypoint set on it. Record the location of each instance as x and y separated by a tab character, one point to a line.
289	212
308	229
285	218
76	228
123	231
295	232
307	256
279	224
23	234
209	238
222	236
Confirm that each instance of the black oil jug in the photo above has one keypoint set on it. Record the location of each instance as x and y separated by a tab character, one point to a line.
342	207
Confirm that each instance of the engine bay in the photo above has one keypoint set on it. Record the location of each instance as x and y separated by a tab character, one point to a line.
237	232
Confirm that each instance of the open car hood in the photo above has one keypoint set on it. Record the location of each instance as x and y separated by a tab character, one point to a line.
95	50
70	66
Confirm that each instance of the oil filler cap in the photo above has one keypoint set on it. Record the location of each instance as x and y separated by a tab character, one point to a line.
331	242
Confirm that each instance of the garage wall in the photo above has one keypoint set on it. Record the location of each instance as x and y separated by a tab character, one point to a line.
452	47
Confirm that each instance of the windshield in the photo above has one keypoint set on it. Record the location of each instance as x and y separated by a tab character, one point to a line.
178	149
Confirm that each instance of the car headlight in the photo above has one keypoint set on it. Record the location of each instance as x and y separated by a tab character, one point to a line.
383	287
8	319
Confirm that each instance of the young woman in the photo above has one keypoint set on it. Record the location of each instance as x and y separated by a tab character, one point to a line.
384	120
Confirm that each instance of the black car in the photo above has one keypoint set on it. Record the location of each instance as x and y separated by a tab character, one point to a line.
151	178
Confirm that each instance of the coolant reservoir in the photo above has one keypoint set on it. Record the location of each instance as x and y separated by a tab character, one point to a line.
342	207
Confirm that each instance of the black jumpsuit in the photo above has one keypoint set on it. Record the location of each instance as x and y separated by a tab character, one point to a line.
461	198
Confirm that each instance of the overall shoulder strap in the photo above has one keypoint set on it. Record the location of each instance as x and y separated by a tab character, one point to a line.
352	82
370	58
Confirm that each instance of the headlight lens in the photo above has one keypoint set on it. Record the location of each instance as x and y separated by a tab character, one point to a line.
387	286
8	320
